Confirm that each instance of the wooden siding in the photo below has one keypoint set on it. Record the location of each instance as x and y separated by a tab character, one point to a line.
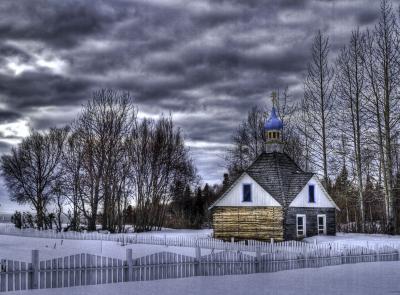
246	223
311	221
234	197
322	200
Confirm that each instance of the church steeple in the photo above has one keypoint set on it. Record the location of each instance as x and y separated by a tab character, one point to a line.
273	130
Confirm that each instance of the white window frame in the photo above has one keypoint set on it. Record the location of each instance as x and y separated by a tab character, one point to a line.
251	192
304	225
324	229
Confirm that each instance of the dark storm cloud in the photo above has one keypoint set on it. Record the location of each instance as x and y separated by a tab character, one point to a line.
34	89
206	62
57	23
8	116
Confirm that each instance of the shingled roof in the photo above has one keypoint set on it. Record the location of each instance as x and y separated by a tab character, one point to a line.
278	174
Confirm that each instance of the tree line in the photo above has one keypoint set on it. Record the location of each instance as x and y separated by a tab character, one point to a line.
107	168
345	127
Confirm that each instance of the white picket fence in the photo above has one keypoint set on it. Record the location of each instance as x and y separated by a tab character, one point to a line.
203	241
86	269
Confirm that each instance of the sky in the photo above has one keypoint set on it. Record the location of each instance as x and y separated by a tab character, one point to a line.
205	62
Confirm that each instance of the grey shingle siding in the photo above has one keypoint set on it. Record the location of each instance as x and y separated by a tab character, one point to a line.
311	221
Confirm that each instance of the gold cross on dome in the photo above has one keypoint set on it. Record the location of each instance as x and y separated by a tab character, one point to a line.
273	98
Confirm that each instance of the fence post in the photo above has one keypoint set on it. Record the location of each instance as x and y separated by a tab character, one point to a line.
35	269
129	262
258	259
197	262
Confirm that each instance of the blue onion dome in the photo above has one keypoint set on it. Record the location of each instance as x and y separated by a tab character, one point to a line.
273	122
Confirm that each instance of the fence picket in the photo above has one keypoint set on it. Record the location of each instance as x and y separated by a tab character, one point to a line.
23	276
10	275
66	278
71	272
54	273
98	270
78	270
47	274
60	272
17	276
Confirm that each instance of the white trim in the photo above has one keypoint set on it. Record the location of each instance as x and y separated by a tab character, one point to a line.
321	196
255	187
326	193
225	193
304	225
324	229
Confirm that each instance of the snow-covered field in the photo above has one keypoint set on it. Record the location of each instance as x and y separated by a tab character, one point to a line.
19	248
365	279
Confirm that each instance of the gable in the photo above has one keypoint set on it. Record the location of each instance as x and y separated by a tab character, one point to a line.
234	195
322	199
279	175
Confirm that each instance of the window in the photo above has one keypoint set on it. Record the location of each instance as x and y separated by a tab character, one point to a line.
321	218
301	225
311	193
246	192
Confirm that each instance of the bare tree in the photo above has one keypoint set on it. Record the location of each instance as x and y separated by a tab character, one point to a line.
318	102
100	132
248	141
59	202
351	114
382	59
72	164
159	159
32	168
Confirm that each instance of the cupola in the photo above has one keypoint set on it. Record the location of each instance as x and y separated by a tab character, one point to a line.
273	130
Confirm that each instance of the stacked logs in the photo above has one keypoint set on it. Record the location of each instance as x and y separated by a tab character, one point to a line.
247	223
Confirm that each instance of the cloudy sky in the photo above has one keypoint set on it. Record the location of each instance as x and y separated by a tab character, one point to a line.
205	62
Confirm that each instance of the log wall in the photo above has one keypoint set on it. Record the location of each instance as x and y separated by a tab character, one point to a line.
247	223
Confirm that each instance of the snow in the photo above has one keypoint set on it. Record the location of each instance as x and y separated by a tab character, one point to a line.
364	279
351	239
19	248
170	232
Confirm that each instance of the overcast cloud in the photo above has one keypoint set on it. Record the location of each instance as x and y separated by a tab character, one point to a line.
205	62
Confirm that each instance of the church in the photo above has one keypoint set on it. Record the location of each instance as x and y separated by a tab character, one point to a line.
274	198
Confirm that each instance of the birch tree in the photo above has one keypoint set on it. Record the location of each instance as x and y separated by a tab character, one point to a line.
350	91
318	103
382	63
